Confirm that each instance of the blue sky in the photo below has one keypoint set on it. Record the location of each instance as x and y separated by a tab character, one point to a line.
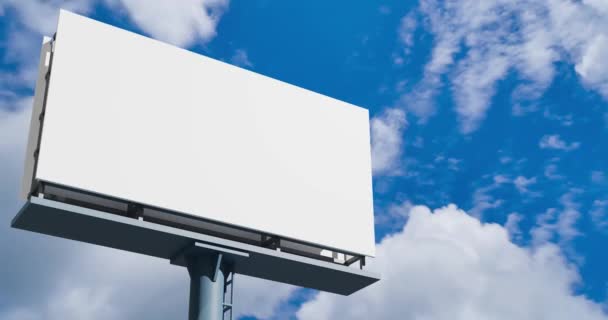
488	122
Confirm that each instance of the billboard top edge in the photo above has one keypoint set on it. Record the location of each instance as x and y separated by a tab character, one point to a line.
64	13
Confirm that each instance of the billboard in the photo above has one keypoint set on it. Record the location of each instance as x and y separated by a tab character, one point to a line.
131	118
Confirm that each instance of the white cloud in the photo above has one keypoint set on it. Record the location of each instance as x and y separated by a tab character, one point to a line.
551	172
71	304
35	18
594	63
558	225
240	58
259	298
474	83
178	22
501	179
406	32
512	225
387	139
565	120
599	214
101	283
554	141
497	37
448	265
521	183
14	124
395	216
483	200
40	16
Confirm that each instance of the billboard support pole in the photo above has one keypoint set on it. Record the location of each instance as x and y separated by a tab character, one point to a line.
207	286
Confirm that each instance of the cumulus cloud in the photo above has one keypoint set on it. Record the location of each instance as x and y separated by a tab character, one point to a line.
72	304
555	142
178	22
447	265
387	139
259	298
102	283
500	36
14	122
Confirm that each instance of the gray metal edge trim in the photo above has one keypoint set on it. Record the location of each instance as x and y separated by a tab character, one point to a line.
211	240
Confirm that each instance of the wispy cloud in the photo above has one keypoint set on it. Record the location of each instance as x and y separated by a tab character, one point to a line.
483	200
555	142
387	140
241	58
551	172
559	224
521	183
599	214
512	225
496	37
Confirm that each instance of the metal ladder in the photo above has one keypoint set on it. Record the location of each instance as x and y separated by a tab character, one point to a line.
228	296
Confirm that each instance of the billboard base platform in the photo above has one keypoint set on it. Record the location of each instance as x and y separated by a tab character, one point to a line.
137	235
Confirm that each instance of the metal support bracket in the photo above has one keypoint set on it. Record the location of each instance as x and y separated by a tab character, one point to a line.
354	259
271	242
218	264
211	272
226	256
135	210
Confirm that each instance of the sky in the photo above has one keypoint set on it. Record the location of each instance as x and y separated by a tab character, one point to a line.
489	122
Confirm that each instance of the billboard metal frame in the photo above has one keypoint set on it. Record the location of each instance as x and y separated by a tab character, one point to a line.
137	234
212	252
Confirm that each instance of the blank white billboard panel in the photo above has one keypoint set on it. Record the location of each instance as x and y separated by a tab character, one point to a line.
136	119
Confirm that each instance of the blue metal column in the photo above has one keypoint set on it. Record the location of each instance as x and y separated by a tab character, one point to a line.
207	280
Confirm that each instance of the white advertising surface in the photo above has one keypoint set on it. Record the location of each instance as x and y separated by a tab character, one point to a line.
136	119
